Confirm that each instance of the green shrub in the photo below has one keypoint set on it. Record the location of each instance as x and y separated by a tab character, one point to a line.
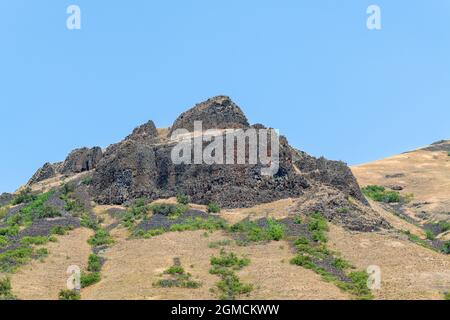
254	233
429	235
60	230
319	236
100	238
446	247
220	243
10	260
231	286
5	289
87	181
39	240
358	285
183	199
229	260
10	231
89	222
88	279
301	240
41	253
275	230
213	208
38	210
303	261
168	209
94	263
3	241
380	194
175	270
447	294
341	264
69	295
191	224
24	196
68	188
298	220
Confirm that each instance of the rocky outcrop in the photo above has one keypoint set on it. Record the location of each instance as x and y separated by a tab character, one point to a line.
47	171
216	113
80	160
5	198
145	132
141	166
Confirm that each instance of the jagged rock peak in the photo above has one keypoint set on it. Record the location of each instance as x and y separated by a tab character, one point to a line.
80	160
46	172
219	112
146	131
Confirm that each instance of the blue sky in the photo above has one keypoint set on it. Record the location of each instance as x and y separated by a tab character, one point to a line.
310	68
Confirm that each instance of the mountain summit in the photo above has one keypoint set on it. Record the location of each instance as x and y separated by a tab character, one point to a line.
140	166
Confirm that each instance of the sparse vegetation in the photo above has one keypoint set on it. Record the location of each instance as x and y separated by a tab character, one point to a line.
314	255
429	235
12	259
69	295
183	198
177	278
3	241
24	196
60	230
230	285
172	211
252	232
213	208
39	240
198	223
101	238
94	263
380	194
5	290
10	231
88	279
220	243
41	253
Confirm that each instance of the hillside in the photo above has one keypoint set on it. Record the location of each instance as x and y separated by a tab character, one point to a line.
139	226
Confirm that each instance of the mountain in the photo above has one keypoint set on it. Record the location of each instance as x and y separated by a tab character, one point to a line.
140	166
138	225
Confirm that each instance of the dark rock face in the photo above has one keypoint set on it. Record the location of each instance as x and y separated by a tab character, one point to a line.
46	172
145	132
216	113
141	166
5	198
80	160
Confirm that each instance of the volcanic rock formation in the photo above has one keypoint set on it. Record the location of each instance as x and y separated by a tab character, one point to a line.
141	166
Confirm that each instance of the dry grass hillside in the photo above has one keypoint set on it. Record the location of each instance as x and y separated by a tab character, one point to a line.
136	265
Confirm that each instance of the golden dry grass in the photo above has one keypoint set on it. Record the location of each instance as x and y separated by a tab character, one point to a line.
426	175
43	280
133	265
408	270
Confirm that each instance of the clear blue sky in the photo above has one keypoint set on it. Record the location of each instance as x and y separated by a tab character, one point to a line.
310	68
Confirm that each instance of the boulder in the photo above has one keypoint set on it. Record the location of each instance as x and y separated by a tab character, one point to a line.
80	160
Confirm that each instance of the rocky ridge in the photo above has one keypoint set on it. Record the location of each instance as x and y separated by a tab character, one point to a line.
140	166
